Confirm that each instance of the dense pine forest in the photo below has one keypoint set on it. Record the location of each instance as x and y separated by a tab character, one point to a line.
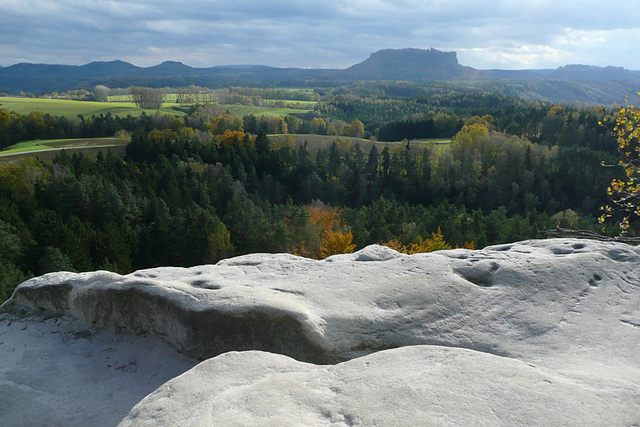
208	185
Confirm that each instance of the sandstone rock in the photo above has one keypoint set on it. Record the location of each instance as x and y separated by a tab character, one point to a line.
409	386
552	299
535	332
55	372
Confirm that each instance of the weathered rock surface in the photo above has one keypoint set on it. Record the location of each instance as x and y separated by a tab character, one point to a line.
409	386
532	300
55	372
512	317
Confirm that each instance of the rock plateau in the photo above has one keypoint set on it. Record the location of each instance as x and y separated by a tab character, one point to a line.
540	332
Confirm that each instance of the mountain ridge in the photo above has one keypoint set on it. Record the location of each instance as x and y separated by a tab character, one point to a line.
569	83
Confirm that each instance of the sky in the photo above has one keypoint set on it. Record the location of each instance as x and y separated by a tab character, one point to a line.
502	34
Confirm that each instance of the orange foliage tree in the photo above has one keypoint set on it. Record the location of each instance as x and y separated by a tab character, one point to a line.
231	137
328	235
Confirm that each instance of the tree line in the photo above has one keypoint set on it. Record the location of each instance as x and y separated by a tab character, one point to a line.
208	185
180	197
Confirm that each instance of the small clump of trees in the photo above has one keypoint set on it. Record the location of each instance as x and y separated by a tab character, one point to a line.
146	97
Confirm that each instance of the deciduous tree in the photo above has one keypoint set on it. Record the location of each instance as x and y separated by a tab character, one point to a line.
355	129
101	92
318	126
146	97
625	192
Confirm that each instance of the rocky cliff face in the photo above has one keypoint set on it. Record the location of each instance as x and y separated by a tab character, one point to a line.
535	332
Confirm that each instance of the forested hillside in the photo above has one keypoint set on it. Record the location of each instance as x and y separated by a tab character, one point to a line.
200	188
567	84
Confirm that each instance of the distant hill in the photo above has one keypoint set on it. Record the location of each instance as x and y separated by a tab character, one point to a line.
168	69
39	78
569	72
518	74
409	64
43	78
570	83
107	69
92	70
590	72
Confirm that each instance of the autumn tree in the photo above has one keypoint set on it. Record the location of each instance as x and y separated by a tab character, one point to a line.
435	243
318	126
231	137
330	235
625	192
227	122
355	129
336	242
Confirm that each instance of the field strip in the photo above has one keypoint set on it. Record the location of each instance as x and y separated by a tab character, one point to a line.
58	149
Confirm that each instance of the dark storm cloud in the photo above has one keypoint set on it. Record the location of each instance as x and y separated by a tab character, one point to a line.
329	34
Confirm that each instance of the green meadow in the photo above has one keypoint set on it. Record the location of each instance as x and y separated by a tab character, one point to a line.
48	149
69	109
322	141
57	144
169	98
243	110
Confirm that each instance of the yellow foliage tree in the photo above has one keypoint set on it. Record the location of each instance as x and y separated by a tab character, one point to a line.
625	193
470	133
355	129
220	124
336	242
435	243
318	126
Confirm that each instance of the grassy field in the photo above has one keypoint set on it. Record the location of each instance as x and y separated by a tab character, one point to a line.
69	109
317	141
437	141
242	110
47	149
48	144
308	104
169	98
45	155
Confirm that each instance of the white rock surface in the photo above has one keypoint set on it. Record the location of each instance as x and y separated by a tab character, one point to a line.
546	299
566	310
54	372
409	386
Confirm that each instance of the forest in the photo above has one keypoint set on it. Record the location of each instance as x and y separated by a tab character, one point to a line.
208	185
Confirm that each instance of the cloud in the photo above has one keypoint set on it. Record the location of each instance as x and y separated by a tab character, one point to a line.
329	34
